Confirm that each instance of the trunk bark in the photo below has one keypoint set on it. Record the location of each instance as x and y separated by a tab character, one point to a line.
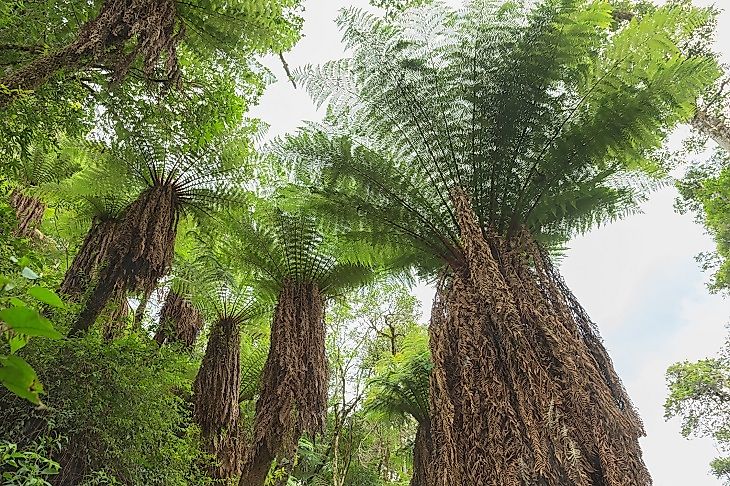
216	389
180	322
422	455
293	395
29	211
88	259
152	24
140	254
522	390
714	127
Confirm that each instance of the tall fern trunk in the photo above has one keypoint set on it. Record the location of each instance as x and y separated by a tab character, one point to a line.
422	452
29	212
88	259
522	390
150	23
180	321
216	389
140	254
293	396
714	127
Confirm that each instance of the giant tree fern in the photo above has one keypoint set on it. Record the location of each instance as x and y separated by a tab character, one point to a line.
295	263
475	139
171	183
121	35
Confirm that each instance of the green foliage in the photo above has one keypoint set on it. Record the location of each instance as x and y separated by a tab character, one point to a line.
543	116
705	190
25	467
21	319
126	417
276	246
400	386
699	394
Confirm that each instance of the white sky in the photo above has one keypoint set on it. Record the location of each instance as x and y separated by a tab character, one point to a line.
637	278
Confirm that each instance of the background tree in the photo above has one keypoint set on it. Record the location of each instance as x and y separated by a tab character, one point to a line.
479	139
400	391
699	394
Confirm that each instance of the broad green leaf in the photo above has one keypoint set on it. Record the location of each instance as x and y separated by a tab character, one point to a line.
29	274
20	378
24	320
47	296
17	342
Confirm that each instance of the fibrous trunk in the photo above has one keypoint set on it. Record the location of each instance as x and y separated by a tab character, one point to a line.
29	211
422	467
151	24
88	259
522	390
180	321
216	389
293	396
140	254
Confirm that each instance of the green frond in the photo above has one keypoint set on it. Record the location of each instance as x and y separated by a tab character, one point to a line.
400	386
540	113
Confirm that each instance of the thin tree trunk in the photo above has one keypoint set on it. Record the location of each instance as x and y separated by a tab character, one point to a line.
88	259
422	455
216	389
714	127
142	308
29	211
293	396
140	254
180	321
522	390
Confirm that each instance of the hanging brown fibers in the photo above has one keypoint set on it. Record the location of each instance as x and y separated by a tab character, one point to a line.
522	390
151	25
140	254
89	257
293	395
29	212
180	321
215	393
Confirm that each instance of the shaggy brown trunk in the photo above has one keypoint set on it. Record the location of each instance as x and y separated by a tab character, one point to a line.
140	254
714	127
90	256
150	23
422	467
29	212
216	390
293	395
180	321
522	390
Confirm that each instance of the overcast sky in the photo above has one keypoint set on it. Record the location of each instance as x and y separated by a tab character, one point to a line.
637	278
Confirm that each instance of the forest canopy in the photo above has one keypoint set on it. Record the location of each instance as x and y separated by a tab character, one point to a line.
185	301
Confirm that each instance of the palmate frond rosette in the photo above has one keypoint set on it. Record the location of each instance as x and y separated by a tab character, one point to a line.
444	98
